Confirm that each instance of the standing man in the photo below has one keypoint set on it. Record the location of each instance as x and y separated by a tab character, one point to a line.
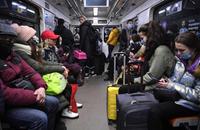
66	34
87	45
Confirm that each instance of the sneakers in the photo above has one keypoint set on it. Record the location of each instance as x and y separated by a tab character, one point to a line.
79	105
93	73
87	75
69	114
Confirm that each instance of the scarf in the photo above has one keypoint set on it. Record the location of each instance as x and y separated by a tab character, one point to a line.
22	47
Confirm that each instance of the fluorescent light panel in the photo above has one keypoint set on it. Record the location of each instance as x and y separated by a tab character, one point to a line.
95	10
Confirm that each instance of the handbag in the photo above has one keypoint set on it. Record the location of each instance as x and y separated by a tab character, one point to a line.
23	82
80	55
56	83
165	94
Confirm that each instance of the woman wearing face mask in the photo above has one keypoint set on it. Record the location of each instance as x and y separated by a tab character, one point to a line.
143	35
31	109
131	29
185	81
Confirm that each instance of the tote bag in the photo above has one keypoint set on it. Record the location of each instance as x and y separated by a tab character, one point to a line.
56	83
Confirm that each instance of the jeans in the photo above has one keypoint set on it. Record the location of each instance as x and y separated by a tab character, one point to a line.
42	118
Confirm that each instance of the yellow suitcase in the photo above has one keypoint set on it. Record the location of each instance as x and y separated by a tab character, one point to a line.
112	91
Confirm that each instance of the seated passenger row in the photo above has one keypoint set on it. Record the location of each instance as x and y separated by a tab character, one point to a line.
173	72
32	108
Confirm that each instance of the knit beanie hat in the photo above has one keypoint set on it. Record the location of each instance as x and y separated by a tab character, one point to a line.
24	33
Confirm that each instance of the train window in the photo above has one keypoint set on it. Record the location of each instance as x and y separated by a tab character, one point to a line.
174	8
23	10
102	21
49	20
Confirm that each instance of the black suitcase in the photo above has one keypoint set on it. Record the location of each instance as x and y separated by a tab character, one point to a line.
132	110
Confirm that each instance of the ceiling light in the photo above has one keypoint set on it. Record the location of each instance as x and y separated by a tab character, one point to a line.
95	10
95	20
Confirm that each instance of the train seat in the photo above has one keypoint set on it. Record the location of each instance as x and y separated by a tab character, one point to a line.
186	122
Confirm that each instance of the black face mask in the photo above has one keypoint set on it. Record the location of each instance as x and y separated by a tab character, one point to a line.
5	49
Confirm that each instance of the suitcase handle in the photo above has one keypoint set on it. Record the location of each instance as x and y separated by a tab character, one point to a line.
115	63
137	94
135	62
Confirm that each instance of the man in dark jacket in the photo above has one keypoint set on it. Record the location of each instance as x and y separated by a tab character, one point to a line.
66	34
86	44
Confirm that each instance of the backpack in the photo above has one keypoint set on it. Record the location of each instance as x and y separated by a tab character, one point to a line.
93	36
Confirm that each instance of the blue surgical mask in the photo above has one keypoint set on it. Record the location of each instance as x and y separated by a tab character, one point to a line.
185	55
130	26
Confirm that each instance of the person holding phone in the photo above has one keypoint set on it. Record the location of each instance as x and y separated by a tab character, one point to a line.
185	81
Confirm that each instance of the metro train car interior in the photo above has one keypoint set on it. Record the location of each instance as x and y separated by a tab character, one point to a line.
99	64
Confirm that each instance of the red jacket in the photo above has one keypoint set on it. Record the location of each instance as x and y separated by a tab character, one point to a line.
10	69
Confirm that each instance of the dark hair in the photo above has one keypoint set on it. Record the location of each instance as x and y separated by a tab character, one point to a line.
130	20
143	28
156	36
61	21
136	38
190	40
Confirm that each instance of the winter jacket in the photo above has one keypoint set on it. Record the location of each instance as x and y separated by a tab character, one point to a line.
42	68
161	64
85	44
187	85
113	37
13	67
50	54
66	34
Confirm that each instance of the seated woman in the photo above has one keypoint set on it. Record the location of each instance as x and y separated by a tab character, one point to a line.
31	109
159	59
185	81
27	49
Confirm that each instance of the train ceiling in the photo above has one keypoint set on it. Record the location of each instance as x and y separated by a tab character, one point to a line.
117	9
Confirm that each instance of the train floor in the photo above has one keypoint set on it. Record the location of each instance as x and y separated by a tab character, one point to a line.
93	114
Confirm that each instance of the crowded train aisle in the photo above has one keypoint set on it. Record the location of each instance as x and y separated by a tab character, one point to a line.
93	114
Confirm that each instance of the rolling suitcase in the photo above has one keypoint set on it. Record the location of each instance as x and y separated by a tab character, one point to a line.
112	91
133	106
133	110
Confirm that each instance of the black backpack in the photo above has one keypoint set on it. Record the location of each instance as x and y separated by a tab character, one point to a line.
93	36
